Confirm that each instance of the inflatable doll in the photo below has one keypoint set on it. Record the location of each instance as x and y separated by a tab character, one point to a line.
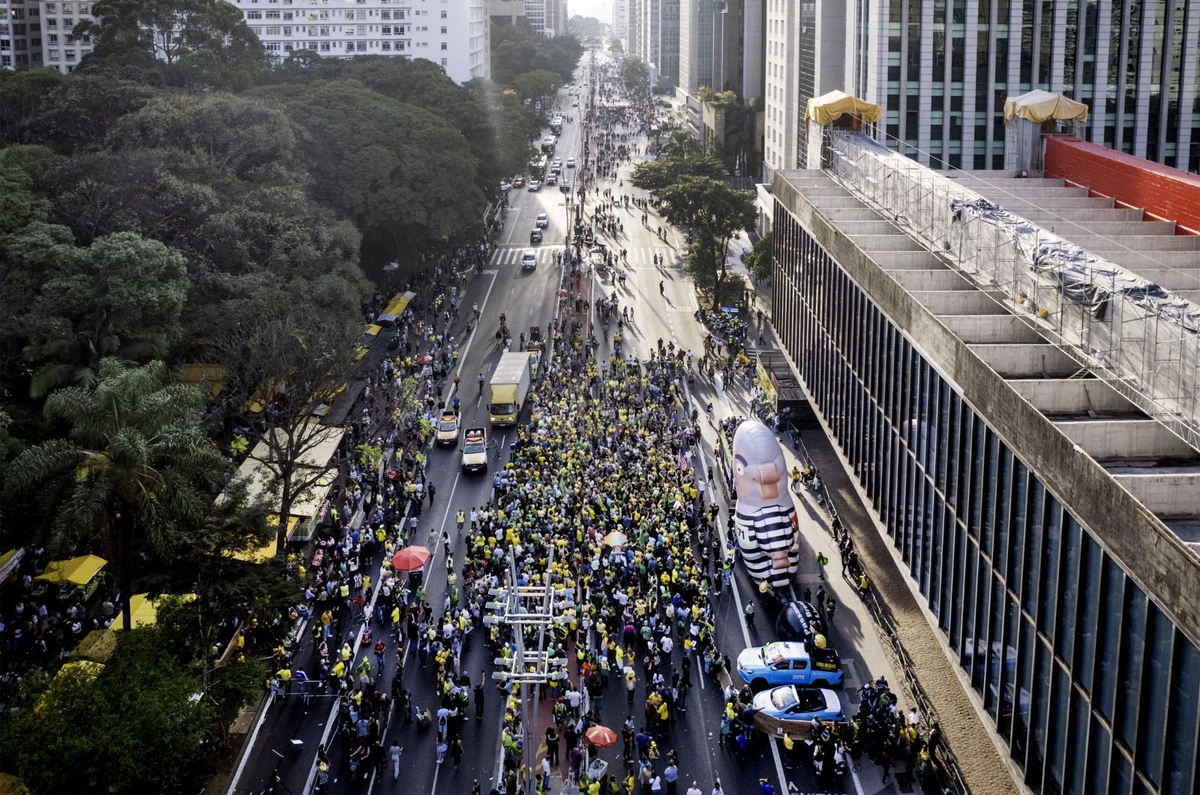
768	531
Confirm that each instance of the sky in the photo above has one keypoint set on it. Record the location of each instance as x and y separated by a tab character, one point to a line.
600	9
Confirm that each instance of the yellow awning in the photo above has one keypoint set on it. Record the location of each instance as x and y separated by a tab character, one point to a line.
268	550
395	308
96	646
208	378
1039	106
10	560
77	571
373	329
142	613
828	108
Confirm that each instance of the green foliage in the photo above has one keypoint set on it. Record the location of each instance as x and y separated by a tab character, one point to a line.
680	144
516	49
135	465
636	74
760	260
538	84
119	297
399	172
194	43
131	726
714	212
369	456
615	45
655	175
584	28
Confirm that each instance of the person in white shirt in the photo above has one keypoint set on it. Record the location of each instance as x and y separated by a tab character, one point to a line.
914	717
694	789
716	790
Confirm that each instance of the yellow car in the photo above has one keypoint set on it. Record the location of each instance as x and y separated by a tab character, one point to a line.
447	430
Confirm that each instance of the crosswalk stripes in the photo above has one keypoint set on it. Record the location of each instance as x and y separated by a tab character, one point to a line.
637	257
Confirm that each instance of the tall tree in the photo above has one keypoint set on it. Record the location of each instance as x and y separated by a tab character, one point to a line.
194	42
131	725
119	297
714	212
277	374
654	175
135	465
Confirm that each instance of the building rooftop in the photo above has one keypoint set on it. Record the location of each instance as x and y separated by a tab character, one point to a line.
1144	456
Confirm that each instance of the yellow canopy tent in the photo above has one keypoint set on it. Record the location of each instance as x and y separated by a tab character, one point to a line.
373	329
143	611
96	646
1039	106
208	378
395	309
828	108
79	572
10	560
268	550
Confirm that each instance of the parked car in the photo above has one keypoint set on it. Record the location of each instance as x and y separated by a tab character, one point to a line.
789	663
799	703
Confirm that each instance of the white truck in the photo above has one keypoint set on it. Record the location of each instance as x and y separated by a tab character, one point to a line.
509	387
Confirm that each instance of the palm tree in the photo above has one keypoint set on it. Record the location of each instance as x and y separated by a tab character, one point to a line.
72	357
680	144
133	466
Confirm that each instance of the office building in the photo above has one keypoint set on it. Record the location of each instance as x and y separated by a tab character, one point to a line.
806	55
696	44
667	63
620	22
21	34
535	14
941	71
451	33
505	12
1023	424
653	36
556	18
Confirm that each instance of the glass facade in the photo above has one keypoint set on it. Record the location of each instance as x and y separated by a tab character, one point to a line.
1090	685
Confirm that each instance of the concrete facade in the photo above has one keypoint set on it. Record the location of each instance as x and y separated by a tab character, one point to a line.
21	35
451	33
1032	508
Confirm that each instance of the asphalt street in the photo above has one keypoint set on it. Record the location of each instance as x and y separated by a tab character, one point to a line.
528	298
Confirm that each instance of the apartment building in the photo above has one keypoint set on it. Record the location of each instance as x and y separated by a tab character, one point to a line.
451	33
61	48
20	34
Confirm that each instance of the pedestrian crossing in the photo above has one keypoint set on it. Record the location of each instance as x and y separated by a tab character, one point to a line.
637	257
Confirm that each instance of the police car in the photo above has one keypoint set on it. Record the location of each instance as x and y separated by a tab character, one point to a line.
789	663
447	430
474	453
799	703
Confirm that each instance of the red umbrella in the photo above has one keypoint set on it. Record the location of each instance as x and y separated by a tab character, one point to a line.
410	558
601	737
425	359
561	293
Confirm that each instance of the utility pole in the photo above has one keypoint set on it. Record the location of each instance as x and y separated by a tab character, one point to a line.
527	608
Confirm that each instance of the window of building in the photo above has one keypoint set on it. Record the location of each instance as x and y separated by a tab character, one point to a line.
445	46
254	15
70	55
274	14
271	30
362	46
443	30
52	55
443	14
444	63
386	46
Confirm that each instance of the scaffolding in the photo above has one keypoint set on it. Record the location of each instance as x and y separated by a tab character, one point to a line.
1137	337
529	609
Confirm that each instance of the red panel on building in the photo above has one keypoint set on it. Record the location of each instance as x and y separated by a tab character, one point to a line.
1164	193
